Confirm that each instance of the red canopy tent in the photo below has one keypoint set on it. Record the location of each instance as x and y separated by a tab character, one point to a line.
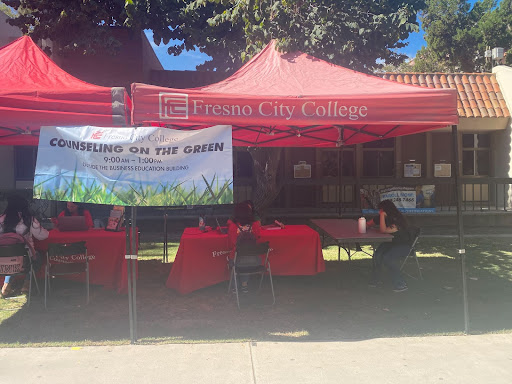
35	92
295	99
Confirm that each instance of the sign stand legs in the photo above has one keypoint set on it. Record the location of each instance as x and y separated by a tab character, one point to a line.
131	265
460	228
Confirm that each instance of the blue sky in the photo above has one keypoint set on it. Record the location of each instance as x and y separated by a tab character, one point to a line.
189	60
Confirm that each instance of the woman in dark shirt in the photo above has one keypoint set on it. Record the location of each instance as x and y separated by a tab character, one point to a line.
390	220
243	221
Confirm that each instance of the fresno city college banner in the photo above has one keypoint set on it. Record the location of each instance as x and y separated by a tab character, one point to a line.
146	166
157	104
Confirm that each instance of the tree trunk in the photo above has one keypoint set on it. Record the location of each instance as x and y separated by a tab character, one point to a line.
266	167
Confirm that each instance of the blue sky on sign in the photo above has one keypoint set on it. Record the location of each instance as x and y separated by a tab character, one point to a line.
188	61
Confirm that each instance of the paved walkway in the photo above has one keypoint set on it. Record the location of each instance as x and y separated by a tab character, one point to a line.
447	359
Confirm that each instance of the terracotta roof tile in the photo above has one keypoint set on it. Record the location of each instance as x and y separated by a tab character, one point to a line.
479	94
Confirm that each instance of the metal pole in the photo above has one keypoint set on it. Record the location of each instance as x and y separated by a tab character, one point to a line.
129	277
340	177
460	228
166	257
134	262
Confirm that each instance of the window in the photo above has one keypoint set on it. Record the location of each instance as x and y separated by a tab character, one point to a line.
330	164
24	162
476	154
242	166
379	158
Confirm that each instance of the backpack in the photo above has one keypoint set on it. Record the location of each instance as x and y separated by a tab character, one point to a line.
17	263
246	237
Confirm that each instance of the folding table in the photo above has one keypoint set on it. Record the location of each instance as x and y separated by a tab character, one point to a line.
345	231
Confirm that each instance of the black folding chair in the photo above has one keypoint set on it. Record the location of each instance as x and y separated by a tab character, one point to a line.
248	262
66	259
415	235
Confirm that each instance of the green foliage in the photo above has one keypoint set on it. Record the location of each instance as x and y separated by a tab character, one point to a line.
82	25
8	11
429	62
352	34
457	34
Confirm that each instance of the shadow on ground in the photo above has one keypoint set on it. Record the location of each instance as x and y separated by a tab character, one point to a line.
334	306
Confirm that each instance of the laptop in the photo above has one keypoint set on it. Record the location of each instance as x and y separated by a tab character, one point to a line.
221	229
71	223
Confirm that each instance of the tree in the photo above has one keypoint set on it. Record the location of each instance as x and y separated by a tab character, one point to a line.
72	24
457	34
8	11
428	61
359	35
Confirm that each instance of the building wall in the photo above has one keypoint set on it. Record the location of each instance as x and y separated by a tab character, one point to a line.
7	170
502	141
133	64
186	79
8	33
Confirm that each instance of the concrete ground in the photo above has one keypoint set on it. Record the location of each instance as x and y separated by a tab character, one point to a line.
443	359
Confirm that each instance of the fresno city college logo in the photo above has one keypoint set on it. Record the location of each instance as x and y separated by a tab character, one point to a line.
173	105
96	135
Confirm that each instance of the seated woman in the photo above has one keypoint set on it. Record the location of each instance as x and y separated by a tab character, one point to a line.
77	209
18	219
242	224
255	214
390	220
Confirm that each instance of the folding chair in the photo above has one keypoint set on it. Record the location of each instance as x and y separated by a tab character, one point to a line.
415	234
66	259
14	260
248	262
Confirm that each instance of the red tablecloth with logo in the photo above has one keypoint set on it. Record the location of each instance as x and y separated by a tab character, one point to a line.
106	252
201	258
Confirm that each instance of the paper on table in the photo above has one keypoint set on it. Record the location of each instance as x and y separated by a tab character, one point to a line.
270	227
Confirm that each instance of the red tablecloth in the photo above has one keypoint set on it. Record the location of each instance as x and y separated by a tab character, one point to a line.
201	258
106	252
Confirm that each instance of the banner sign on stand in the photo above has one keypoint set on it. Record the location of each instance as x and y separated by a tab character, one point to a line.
419	199
147	166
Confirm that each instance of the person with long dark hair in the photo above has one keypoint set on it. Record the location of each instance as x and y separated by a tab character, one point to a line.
77	209
390	220
242	224
255	214
17	218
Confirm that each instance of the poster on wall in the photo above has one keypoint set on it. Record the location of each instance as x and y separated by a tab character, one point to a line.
145	166
418	199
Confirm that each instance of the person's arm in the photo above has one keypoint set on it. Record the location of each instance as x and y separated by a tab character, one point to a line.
88	218
256	228
383	227
37	231
232	234
374	222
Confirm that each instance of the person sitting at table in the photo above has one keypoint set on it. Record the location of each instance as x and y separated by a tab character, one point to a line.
242	224
255	215
17	218
77	209
390	220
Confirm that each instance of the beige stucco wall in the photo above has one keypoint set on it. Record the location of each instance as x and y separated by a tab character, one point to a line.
502	140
